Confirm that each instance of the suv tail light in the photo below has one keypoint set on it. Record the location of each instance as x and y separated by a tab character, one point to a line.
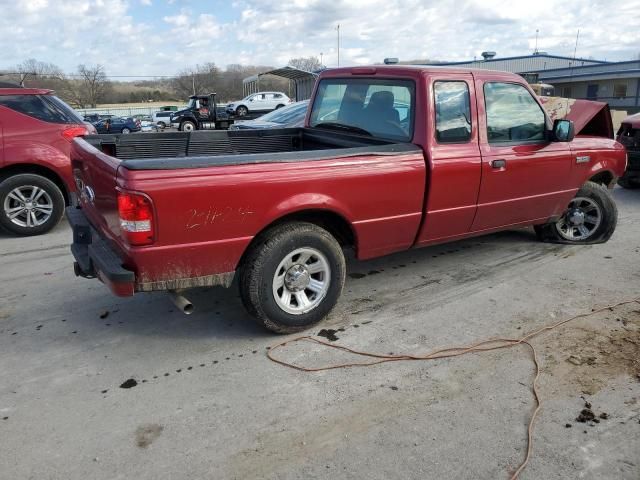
136	218
73	131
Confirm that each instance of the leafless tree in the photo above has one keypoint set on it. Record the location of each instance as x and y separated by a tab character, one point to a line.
197	80
93	84
308	64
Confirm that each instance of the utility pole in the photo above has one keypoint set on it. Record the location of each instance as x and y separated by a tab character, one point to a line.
338	29
535	50
193	82
321	64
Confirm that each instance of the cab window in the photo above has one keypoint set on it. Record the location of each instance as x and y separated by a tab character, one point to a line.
453	112
512	114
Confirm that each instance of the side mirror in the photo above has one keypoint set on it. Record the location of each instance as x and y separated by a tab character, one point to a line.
563	130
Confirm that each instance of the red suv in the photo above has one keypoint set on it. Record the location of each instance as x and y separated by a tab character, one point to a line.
36	129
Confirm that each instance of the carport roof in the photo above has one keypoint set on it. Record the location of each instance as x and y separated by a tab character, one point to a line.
291	73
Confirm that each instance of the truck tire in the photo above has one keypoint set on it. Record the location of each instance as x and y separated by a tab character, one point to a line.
187	126
241	111
292	277
29	204
628	183
590	218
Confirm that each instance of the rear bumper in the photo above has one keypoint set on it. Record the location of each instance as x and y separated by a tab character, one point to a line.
94	258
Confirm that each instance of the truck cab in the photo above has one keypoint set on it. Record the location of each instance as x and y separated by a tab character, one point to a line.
201	113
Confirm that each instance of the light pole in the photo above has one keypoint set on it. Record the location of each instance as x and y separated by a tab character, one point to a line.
338	30
321	64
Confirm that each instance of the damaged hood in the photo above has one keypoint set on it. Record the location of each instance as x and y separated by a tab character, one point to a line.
588	117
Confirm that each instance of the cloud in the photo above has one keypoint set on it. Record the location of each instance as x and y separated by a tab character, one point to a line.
130	39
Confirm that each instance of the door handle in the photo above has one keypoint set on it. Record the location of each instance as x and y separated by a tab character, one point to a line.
498	163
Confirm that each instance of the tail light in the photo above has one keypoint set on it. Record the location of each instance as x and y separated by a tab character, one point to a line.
136	218
73	131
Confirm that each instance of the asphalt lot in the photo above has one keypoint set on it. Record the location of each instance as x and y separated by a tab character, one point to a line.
209	404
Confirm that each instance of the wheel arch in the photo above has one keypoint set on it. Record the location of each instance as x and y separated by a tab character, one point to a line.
19	168
333	222
604	177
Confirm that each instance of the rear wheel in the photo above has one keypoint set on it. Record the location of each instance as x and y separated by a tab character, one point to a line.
162	125
126	131
279	106
187	126
292	277
591	217
31	204
241	111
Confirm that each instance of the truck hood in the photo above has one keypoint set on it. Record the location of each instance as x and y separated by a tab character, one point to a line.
588	117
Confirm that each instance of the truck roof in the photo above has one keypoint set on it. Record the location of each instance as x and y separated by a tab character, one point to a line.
25	91
412	70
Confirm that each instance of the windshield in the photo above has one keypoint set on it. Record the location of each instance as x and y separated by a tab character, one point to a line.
192	103
290	113
381	107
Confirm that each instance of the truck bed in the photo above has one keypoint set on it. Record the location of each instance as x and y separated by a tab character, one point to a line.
200	149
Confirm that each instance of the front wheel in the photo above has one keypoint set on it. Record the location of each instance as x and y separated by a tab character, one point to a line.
126	131
241	111
31	204
292	277
187	126
591	217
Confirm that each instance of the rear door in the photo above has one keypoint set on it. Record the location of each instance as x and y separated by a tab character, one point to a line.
454	157
524	175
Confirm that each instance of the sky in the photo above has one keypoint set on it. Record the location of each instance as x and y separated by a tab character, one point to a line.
162	37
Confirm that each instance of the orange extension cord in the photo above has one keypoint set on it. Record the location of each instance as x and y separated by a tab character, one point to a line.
482	346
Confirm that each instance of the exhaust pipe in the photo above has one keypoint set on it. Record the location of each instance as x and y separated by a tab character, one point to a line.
181	302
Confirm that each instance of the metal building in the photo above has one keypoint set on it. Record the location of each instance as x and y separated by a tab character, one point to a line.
617	83
303	81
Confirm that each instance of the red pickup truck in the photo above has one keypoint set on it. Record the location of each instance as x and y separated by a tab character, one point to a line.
390	158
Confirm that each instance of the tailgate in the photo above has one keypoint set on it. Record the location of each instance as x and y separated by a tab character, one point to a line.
95	175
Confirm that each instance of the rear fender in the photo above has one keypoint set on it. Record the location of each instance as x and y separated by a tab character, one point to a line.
306	202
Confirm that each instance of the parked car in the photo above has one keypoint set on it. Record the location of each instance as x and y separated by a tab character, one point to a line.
258	102
277	207
202	112
163	118
36	129
118	125
96	117
287	117
629	136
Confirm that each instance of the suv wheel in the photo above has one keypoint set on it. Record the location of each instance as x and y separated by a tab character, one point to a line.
126	131
31	204
292	277
591	217
241	111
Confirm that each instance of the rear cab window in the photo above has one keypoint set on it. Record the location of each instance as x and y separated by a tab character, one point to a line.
383	108
512	114
453	111
47	108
